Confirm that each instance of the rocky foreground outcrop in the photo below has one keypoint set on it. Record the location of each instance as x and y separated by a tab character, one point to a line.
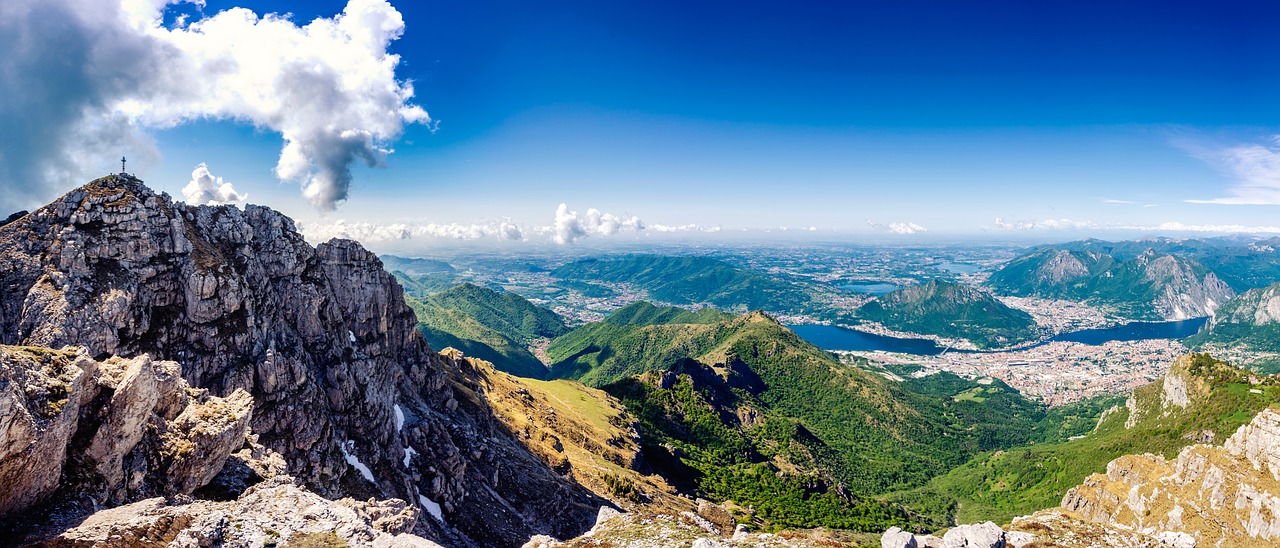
317	341
1226	495
113	431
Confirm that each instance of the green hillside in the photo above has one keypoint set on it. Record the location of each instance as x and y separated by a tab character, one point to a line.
706	432
882	435
951	310
998	486
493	326
691	280
636	338
424	285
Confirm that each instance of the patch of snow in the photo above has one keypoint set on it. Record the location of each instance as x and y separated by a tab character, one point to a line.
351	336
399	417
431	506
408	454
355	462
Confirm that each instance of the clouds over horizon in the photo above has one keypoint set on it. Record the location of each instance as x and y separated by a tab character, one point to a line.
84	80
896	227
1167	227
568	226
1046	224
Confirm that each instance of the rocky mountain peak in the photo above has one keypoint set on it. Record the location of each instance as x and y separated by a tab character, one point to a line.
343	387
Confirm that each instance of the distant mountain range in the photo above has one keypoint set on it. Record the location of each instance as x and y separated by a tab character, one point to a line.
1242	262
951	310
1148	286
691	280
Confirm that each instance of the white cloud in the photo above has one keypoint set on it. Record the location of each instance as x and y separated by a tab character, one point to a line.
83	80
1183	227
569	226
897	227
1254	167
1047	224
367	232
205	189
683	228
1117	202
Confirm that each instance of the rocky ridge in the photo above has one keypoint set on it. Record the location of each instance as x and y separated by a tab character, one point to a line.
1148	286
1208	495
317	341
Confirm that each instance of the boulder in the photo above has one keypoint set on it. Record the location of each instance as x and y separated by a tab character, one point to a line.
980	535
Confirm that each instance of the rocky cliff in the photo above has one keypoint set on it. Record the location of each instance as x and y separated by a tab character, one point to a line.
317	341
1250	321
1208	495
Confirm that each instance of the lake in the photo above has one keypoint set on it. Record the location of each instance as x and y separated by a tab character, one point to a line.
1135	331
870	288
830	337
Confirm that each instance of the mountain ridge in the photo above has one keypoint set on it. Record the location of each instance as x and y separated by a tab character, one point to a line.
345	392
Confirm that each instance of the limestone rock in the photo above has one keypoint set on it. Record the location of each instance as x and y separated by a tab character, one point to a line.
897	538
148	432
981	535
318	338
274	512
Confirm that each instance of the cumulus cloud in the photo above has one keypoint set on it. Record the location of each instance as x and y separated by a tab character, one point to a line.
84	79
898	227
1254	167
1047	224
367	232
569	226
205	189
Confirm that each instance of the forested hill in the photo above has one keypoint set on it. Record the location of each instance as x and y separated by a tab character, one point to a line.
691	280
881	435
493	326
951	310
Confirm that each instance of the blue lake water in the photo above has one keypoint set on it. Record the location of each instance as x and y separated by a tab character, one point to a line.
1135	331
830	337
959	268
870	288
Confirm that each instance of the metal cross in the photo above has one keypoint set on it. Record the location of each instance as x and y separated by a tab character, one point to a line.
122	164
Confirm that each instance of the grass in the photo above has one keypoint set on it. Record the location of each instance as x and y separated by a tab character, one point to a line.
575	399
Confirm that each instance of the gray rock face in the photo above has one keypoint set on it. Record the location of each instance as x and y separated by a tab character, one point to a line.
114	431
320	338
1184	292
274	512
980	535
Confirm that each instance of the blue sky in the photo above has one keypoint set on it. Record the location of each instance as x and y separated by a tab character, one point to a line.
850	116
